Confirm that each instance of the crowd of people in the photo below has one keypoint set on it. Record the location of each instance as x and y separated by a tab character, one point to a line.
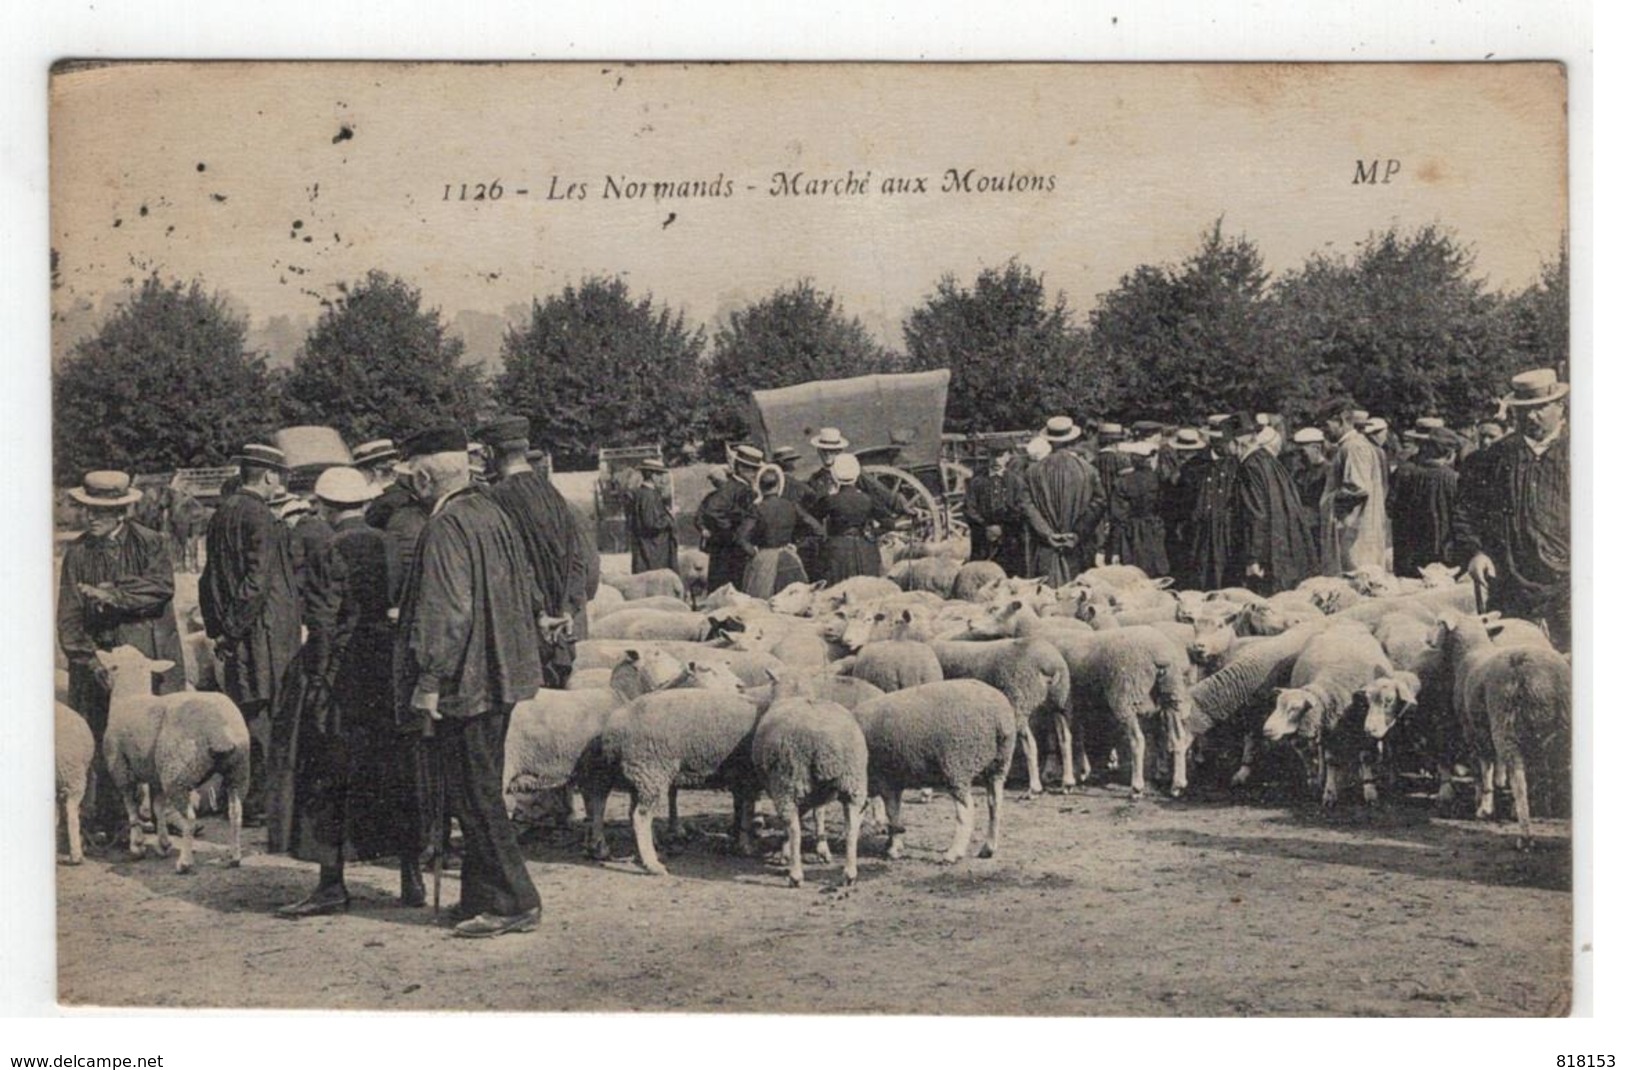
377	632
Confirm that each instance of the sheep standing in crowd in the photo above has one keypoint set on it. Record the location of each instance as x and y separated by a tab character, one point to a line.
1514	703
660	581
973	577
1030	673
949	735
809	752
173	743
75	750
894	664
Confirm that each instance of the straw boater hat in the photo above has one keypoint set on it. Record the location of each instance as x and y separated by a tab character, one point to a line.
785	454
378	451
651	464
1374	425
1429	423
1305	435
345	488
1537	387
1060	429
1110	432
1267	435
1188	438
106	490
293	506
1360	416
262	456
748	458
845	470
829	438
1138	449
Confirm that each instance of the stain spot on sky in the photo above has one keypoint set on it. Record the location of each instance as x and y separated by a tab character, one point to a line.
220	198
143	211
118	222
202	167
345	134
298	224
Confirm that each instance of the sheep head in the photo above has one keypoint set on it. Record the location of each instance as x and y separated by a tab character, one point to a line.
1297	712
129	664
796	599
703	676
1386	700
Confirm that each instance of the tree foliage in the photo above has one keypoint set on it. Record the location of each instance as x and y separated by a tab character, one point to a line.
595	368
797	334
1538	318
1014	355
377	364
1177	342
165	383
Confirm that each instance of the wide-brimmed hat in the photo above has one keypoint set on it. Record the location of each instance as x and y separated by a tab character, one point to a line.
1061	429
378	451
1110	432
262	456
1305	435
652	464
845	470
829	438
1374	425
1538	387
344	487
1266	435
106	490
435	440
785	453
505	432
748	457
1188	438
1429	423
292	506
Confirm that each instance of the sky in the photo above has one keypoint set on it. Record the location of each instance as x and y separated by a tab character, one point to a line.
273	183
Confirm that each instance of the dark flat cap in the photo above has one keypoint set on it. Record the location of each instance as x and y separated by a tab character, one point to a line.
1334	407
435	440
504	429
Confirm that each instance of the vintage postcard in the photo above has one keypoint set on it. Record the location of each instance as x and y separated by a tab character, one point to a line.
814	538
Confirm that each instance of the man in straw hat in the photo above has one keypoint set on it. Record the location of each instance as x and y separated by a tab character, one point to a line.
552	541
250	603
1307	464
1209	566
353	790
1062	500
830	443
650	528
376	459
466	650
1353	505
117	587
1187	457
723	512
1512	515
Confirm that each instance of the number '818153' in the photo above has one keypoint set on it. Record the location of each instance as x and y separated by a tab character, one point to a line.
1585	1062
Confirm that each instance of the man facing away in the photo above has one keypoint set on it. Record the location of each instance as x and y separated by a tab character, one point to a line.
1353	506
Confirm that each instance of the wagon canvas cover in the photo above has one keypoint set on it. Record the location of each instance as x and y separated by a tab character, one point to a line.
876	412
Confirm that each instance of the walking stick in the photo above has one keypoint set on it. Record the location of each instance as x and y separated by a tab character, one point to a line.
429	770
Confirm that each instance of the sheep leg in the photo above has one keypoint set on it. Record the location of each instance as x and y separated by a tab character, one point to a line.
744	811
1063	741
132	813
792	844
1519	779
1486	789
643	832
1179	743
1135	737
854	826
964	819
234	814
995	803
893	799
1328	791
1368	779
674	825
1029	744
70	815
1245	771
160	820
821	834
578	807
183	864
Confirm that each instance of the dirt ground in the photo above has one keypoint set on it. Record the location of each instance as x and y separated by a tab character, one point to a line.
1097	905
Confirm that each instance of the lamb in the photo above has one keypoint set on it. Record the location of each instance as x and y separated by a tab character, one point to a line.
173	743
75	750
808	752
1030	673
727	597
974	576
949	735
796	599
1035	592
660	581
934	574
1515	706
640	672
1425	605
664	603
673	739
1121	676
655	624
1330	594
1275	617
1325	682
894	664
692	568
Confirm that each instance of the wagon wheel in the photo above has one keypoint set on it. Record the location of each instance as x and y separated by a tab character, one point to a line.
918	498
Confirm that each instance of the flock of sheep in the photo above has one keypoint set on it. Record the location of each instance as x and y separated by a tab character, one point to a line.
932	678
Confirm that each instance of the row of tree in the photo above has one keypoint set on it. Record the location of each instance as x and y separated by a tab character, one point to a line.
1403	324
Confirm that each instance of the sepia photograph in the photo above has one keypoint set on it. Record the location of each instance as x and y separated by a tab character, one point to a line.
1017	539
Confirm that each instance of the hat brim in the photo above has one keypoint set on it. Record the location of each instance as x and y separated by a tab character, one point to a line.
1188	447
259	462
129	497
1072	434
820	444
1558	393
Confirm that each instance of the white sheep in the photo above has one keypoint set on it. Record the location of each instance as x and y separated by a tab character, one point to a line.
1330	594
548	735
588	679
662	602
848	691
655	624
894	664
693	566
660	581
750	665
1325	681
75	750
974	576
809	752
173	743
1030	673
934	574
949	735
854	590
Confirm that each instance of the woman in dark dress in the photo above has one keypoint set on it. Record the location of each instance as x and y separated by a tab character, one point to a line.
847	512
769	533
1137	535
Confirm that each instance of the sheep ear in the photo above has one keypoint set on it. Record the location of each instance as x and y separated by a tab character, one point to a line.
632	655
771	673
820	585
159	667
907	617
1406	684
1163	584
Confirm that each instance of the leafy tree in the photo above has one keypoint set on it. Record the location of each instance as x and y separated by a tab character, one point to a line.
377	364
1015	356
164	383
595	368
1538	318
1179	342
1403	326
798	334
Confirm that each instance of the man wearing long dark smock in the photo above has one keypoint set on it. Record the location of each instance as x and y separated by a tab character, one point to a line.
722	513
117	587
548	531
650	529
1137	532
1062	502
1213	509
1512	518
250	605
1423	500
466	650
829	444
353	791
1274	541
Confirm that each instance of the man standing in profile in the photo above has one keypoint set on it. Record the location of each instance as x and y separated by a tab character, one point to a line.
466	650
250	603
1512	512
1353	506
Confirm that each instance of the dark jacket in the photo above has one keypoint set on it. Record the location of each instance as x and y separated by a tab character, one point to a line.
249	599
136	568
649	530
1513	506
